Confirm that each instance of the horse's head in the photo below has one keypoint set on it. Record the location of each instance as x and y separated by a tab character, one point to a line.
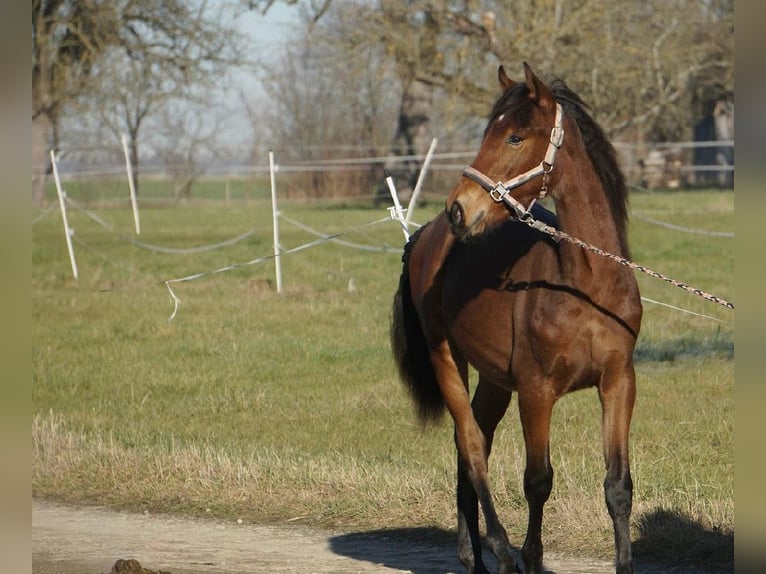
514	165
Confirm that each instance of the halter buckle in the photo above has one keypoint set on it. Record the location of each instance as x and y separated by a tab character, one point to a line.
498	192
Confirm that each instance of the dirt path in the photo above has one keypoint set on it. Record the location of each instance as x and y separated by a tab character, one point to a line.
67	540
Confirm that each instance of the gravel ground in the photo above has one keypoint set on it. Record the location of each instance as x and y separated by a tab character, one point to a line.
76	540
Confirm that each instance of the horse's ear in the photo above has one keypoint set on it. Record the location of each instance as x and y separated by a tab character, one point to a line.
505	82
538	91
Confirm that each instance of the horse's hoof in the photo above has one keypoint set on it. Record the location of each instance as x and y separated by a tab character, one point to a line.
512	568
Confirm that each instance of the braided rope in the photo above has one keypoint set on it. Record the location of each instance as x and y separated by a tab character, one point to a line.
198	249
312	231
557	233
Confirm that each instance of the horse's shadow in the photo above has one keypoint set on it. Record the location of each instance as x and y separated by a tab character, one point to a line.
417	550
718	345
667	543
673	539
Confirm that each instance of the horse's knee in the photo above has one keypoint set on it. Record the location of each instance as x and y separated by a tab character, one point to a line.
538	485
618	492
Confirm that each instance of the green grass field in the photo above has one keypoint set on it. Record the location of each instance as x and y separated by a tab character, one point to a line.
277	408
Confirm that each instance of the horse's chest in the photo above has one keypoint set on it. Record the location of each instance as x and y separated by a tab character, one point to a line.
511	341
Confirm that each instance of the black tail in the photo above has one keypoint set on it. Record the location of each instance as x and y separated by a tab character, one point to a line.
411	349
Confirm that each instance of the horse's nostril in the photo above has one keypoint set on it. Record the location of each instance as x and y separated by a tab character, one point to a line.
456	215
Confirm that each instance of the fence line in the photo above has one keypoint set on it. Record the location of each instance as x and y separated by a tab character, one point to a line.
149	167
89	213
678	144
360	246
687	311
396	214
45	212
675	227
195	276
199	249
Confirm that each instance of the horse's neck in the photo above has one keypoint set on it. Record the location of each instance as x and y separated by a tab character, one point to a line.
583	212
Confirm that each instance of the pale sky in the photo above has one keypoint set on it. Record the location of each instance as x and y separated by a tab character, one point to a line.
267	34
268	30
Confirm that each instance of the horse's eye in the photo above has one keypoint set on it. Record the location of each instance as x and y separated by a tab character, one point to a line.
513	139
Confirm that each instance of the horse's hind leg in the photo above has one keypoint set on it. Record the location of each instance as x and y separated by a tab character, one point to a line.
489	405
471	448
617	399
535	413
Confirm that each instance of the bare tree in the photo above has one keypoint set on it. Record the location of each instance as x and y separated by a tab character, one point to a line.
127	56
322	97
187	144
122	98
434	44
68	37
187	52
643	67
350	69
315	8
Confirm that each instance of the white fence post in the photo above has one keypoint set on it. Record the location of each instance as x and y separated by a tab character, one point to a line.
67	230
419	184
131	184
275	219
396	211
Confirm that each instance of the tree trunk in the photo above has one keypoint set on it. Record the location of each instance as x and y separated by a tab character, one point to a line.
133	151
42	140
414	125
412	132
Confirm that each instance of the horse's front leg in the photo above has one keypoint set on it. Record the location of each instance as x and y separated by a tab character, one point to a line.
468	538
617	398
489	405
472	454
535	412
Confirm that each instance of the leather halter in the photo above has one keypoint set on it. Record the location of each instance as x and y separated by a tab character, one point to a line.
499	191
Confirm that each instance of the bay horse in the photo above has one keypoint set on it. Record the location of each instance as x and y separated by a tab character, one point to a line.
533	315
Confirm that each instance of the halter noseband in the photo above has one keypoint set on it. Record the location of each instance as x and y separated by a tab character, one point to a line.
499	191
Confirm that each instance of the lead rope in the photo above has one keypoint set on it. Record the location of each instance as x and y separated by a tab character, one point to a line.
557	233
